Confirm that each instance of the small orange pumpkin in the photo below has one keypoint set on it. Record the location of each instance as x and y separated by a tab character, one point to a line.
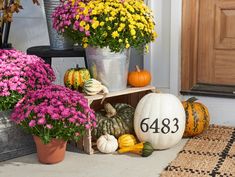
139	78
197	117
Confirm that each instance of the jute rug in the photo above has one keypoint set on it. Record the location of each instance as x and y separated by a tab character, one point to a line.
210	154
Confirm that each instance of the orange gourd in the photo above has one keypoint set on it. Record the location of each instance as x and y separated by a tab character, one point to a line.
197	117
139	78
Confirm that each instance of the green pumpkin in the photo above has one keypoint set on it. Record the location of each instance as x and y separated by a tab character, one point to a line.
116	121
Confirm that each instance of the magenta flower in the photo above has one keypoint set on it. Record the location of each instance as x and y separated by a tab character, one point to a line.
32	123
41	121
49	126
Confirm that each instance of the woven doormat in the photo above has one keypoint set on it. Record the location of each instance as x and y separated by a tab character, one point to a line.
210	154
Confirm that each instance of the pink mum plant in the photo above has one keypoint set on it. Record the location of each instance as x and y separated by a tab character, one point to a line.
20	73
54	112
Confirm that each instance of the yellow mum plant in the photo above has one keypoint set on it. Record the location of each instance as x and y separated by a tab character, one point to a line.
117	24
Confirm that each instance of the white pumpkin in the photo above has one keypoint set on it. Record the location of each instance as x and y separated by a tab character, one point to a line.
107	143
159	119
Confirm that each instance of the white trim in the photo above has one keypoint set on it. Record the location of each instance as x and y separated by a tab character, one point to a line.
175	46
148	57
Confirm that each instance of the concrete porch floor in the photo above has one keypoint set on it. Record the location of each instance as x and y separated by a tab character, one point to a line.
97	165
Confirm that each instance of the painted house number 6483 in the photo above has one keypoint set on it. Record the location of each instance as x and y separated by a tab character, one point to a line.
165	126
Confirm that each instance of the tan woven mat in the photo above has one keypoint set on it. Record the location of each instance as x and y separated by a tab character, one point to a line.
210	154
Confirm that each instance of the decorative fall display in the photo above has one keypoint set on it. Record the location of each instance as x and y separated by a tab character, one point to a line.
126	140
92	87
74	78
116	121
159	119
144	149
107	143
197	117
139	78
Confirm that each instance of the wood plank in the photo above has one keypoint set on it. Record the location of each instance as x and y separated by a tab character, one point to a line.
122	92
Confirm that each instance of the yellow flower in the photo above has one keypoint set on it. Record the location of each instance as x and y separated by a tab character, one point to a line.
127	45
87	27
154	35
82	23
85	45
95	24
120	29
81	4
123	19
109	28
115	34
122	25
113	13
137	17
120	40
85	39
101	23
131	9
77	17
146	48
111	18
94	12
85	12
133	32
140	26
131	27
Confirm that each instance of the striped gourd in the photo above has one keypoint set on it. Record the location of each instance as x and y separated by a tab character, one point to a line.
116	121
74	78
126	140
92	87
197	117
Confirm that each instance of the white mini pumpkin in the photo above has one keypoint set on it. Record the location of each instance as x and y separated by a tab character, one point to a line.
107	143
159	119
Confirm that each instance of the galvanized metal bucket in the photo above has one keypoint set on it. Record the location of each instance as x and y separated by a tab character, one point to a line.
109	67
14	142
57	41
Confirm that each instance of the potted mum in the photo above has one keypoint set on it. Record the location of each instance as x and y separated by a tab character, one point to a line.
19	73
107	29
53	115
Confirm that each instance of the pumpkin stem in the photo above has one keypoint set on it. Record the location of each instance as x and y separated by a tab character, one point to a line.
137	68
77	66
110	110
157	91
104	97
192	99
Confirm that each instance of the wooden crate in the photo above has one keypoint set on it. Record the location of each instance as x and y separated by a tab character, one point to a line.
130	96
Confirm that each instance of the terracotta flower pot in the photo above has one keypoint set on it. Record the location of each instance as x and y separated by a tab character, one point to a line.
52	152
